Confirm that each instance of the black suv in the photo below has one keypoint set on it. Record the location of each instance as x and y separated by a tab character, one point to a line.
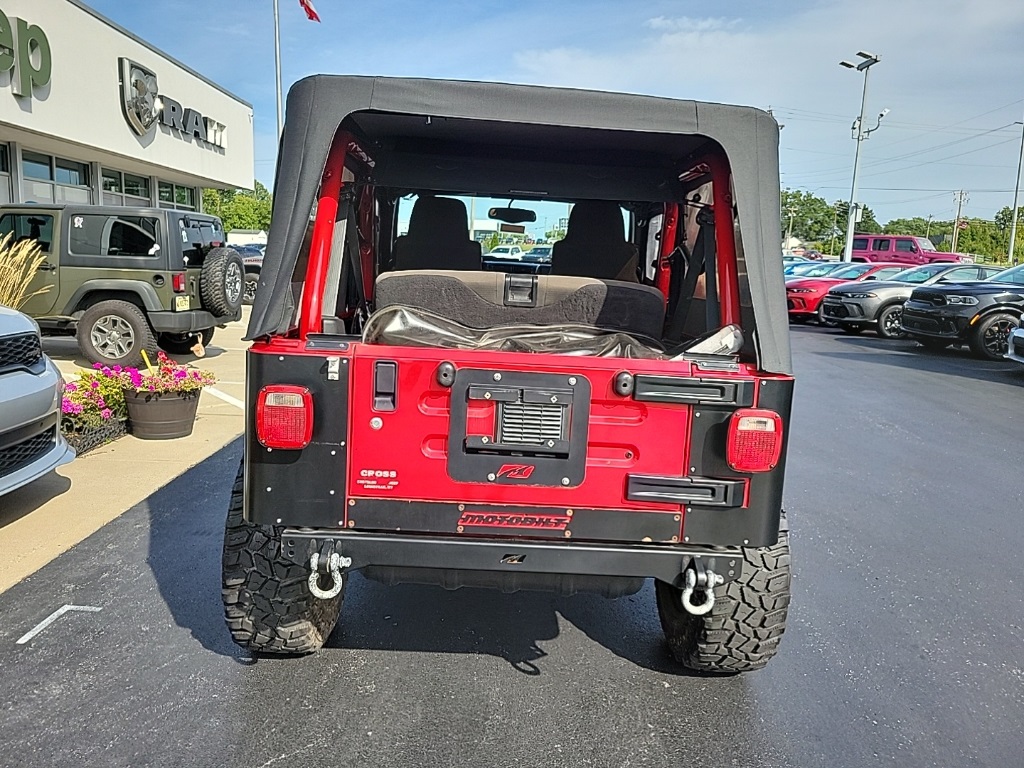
126	280
981	314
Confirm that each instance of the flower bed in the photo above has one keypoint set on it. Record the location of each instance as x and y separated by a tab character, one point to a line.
94	410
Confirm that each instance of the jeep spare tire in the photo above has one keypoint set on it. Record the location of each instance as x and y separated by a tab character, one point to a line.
222	281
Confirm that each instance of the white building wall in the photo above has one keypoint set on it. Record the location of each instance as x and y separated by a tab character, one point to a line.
81	107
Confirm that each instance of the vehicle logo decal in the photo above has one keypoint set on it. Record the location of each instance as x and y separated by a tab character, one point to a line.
516	471
514	520
139	97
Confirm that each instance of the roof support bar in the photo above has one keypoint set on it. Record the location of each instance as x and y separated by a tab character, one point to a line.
667	246
725	238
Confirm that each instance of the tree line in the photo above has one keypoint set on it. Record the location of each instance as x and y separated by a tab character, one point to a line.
240	208
822	225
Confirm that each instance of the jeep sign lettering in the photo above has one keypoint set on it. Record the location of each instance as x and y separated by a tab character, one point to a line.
25	53
143	106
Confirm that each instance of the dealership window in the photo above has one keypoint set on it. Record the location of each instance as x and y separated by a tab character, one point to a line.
173	196
125	188
96	235
54	180
5	174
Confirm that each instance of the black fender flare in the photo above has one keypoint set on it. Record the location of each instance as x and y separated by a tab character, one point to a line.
144	292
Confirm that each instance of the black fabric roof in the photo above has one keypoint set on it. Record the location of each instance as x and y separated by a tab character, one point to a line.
529	141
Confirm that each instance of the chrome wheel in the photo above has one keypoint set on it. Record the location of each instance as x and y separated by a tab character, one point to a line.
233	282
112	336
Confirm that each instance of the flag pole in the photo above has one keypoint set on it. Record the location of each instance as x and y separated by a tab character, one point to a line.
277	63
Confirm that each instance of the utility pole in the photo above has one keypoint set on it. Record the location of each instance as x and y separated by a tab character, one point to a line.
960	198
1016	194
860	134
928	229
835	223
789	229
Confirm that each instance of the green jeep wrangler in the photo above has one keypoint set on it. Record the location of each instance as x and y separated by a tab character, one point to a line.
124	280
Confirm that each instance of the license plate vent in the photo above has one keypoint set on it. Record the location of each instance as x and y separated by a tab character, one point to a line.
531	423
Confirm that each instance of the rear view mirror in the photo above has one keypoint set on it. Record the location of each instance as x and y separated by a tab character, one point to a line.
512	215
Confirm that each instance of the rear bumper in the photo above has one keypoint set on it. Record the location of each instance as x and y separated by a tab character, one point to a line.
535	557
186	322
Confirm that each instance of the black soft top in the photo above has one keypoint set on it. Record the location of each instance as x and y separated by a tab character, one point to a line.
531	141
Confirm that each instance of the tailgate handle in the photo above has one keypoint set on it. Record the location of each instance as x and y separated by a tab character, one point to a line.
385	377
520	291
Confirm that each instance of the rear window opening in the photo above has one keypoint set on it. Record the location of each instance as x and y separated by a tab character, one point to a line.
451	242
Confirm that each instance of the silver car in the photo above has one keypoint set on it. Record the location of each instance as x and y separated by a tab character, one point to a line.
31	389
1015	350
855	306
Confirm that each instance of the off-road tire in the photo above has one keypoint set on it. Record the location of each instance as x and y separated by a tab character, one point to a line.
252	282
851	328
143	336
182	343
884	317
935	345
221	268
267	603
742	631
991	349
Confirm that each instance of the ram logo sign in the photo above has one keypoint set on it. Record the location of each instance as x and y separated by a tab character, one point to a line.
144	106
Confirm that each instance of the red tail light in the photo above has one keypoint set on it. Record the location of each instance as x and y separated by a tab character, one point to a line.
284	417
755	440
178	282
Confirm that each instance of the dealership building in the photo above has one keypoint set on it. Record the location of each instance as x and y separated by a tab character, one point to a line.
91	113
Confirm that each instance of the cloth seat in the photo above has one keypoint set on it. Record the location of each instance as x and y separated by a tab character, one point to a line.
481	300
438	237
594	244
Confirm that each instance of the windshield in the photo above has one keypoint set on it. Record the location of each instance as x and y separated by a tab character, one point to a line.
541	250
817	270
1013	275
848	273
918	274
924	244
501	249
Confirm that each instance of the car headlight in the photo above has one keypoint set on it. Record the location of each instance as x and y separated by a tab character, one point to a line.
970	301
861	295
801	290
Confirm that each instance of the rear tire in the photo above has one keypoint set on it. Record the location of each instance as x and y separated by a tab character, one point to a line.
115	332
182	343
889	322
743	630
991	338
252	282
267	603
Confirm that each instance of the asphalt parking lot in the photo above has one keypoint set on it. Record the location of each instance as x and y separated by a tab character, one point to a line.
904	644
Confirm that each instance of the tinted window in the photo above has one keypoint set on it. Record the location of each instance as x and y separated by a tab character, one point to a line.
28	226
905	246
924	244
964	273
860	243
917	274
881	244
35	166
885	274
96	235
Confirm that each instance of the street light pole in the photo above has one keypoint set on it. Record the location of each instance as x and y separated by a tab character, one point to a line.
869	60
277	67
1016	194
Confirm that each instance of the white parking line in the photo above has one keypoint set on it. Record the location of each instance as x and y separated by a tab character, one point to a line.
52	618
227	398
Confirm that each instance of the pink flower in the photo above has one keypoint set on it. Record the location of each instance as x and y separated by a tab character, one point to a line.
106	413
94	384
118	369
136	378
70	387
105	371
97	366
100	403
180	374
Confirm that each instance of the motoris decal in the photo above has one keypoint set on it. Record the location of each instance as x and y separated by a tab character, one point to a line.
514	520
516	471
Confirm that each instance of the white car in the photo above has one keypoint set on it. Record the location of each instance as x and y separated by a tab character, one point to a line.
31	389
505	253
1016	345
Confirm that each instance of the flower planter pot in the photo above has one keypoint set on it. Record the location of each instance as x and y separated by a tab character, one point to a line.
161	415
86	439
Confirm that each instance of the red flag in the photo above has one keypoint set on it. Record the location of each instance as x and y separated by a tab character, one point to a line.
311	13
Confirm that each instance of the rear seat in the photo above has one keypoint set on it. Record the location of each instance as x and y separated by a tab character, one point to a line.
492	299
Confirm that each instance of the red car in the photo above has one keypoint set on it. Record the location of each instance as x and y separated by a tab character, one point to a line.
804	294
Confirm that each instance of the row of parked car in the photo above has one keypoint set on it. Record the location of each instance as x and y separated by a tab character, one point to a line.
938	305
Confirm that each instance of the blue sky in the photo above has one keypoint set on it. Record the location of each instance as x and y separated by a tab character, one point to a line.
951	71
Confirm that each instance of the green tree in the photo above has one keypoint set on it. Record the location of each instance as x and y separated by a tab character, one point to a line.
807	216
868	224
240	209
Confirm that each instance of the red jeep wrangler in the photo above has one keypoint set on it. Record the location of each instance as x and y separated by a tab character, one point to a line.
418	418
